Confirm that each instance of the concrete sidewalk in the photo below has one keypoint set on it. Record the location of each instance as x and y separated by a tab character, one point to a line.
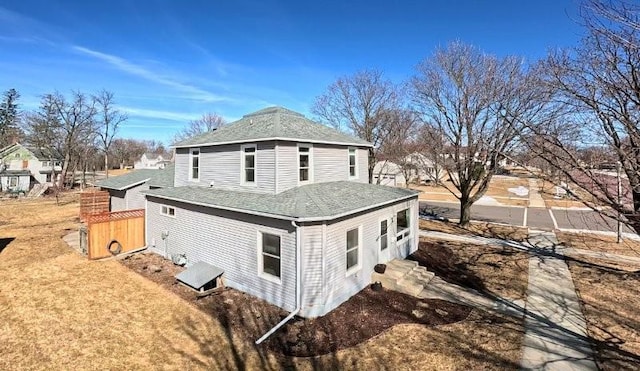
556	336
535	200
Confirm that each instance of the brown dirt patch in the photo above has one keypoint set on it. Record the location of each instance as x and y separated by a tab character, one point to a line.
489	230
610	300
599	243
365	315
499	271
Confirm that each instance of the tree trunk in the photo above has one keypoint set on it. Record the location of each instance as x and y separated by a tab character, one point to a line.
465	211
372	164
106	165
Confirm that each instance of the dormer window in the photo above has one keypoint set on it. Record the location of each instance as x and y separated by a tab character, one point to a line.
194	160
248	164
304	163
353	163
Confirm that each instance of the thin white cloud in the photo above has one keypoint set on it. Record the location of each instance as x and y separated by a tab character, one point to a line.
159	114
136	70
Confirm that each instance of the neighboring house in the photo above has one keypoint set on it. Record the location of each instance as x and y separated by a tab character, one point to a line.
389	173
21	167
152	161
282	204
125	190
417	167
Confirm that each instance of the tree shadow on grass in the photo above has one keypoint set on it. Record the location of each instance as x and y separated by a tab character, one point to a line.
4	242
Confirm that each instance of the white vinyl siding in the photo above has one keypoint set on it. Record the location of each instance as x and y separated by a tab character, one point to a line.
194	164
248	164
220	167
227	240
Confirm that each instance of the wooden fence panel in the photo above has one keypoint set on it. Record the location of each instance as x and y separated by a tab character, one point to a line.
126	227
93	202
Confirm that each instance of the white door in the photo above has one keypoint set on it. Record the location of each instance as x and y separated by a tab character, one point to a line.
384	242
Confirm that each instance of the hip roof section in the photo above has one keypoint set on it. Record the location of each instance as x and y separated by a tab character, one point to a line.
273	123
313	202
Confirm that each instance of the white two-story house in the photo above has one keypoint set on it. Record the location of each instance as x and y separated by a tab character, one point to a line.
283	205
21	167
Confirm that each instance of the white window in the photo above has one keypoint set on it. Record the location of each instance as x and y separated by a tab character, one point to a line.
194	160
353	250
13	182
57	163
168	211
403	222
248	164
353	164
384	234
45	163
269	248
305	161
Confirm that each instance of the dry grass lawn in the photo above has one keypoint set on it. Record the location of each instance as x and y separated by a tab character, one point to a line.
599	243
610	298
495	270
489	230
499	189
61	311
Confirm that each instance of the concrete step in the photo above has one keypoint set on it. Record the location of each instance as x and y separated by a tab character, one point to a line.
410	285
387	281
402	264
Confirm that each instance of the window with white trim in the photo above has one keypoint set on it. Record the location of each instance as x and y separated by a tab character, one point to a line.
384	234
353	247
270	255
353	164
305	161
45	163
248	163
194	160
168	211
403	222
13	182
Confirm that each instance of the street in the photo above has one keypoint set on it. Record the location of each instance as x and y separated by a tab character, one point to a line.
535	218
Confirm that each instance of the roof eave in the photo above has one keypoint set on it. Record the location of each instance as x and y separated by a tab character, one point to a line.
124	187
288	217
284	139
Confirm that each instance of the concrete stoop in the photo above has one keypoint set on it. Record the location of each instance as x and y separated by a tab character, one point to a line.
404	276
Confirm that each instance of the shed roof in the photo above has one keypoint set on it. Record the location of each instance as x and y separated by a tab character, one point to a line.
128	180
273	123
320	201
164	177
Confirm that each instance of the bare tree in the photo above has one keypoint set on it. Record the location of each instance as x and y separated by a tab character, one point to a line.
208	122
360	104
477	102
399	144
599	83
108	120
431	145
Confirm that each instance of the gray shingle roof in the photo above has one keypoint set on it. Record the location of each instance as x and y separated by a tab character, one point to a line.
321	201
127	180
163	178
273	123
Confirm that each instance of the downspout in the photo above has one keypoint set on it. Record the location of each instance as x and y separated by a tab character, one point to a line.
298	290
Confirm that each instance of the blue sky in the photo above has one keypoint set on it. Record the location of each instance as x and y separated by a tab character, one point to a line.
171	61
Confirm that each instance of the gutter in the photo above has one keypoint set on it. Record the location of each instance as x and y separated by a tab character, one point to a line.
269	139
298	290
